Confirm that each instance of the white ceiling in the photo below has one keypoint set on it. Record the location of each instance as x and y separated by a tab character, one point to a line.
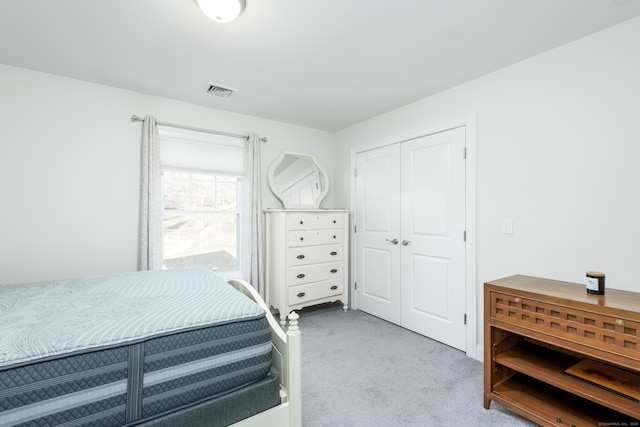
324	64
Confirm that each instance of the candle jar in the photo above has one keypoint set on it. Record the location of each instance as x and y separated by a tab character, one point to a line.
595	282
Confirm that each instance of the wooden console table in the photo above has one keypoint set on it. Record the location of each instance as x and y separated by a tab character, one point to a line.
536	328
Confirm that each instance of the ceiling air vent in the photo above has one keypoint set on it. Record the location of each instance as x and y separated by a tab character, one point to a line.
219	90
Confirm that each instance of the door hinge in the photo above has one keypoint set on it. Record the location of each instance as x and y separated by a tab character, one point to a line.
355	172
355	284
464	153
355	229
465	318
464	235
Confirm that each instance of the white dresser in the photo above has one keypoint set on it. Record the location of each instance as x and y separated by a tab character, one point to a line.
307	258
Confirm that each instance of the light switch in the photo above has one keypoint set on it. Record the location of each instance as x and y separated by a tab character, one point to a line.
507	226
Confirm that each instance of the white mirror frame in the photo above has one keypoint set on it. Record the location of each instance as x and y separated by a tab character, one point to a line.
323	176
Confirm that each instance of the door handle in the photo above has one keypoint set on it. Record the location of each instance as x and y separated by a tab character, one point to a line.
394	241
405	242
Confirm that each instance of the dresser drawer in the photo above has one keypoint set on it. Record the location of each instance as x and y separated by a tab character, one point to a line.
304	255
307	221
314	273
315	237
313	291
602	330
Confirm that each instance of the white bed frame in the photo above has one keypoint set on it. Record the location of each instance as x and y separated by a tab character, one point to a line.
286	350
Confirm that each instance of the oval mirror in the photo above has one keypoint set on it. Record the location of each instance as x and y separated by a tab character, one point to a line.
298	180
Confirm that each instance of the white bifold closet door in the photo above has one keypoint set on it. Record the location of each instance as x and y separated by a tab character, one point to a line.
410	243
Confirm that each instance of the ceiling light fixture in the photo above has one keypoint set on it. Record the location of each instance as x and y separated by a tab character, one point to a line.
222	10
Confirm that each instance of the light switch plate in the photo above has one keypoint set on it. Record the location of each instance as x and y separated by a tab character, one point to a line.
507	226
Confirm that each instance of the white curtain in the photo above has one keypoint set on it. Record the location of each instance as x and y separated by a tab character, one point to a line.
254	253
150	234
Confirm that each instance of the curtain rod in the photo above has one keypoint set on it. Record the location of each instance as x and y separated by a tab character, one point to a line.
135	118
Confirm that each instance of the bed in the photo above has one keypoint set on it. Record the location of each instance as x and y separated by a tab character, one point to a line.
153	348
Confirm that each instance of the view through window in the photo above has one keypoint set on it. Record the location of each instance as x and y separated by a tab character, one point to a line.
200	220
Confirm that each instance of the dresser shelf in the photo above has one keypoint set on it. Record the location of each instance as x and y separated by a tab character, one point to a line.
548	406
535	329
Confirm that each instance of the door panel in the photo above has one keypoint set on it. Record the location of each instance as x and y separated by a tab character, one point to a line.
377	275
428	188
433	220
426	300
378	222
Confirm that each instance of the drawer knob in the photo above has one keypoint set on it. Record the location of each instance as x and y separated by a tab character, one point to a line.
619	322
302	238
334	253
301	222
518	300
300	257
558	420
334	270
300	276
334	237
301	294
334	287
334	221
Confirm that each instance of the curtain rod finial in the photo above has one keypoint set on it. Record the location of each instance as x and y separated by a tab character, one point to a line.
135	118
264	139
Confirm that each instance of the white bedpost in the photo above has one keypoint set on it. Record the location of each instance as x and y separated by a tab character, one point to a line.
295	370
287	354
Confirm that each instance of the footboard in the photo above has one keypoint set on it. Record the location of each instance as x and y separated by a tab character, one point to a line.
287	360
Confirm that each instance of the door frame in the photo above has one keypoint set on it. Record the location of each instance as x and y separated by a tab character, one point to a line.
468	121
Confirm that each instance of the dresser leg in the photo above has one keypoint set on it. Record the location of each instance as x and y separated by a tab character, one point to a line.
345	307
283	321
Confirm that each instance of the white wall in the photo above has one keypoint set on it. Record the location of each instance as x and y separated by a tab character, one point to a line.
558	143
69	170
558	150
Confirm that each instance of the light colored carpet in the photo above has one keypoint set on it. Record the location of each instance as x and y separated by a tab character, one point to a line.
359	370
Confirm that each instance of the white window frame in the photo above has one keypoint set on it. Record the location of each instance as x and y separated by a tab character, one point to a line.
215	142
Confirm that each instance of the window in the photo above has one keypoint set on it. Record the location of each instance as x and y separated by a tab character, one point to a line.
200	220
202	200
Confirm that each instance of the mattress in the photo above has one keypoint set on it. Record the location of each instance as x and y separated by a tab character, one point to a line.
127	348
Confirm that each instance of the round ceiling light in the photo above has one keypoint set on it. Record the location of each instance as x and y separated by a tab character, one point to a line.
222	10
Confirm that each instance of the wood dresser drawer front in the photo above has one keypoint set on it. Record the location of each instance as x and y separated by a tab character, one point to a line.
304	255
604	331
314	273
309	221
313	291
315	237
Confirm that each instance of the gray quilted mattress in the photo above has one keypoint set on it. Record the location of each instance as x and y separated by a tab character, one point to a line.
127	348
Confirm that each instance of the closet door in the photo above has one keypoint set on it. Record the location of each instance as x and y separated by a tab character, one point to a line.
410	248
433	244
378	232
